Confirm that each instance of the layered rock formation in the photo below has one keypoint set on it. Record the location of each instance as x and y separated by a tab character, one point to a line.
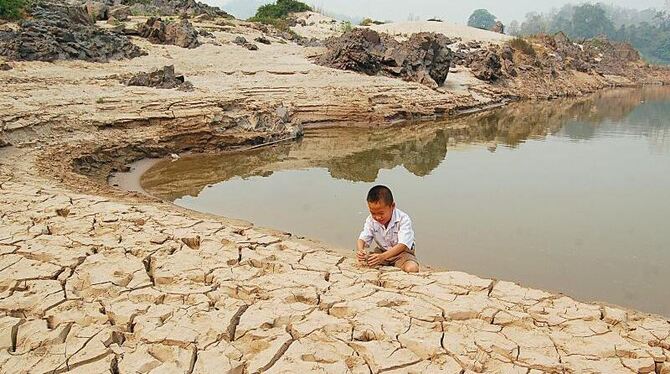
424	58
58	32
181	34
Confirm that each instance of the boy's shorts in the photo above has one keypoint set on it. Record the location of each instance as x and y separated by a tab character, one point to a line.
399	260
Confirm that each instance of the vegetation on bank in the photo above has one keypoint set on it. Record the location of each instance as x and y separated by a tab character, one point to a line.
276	14
370	22
270	13
646	30
482	19
12	9
521	44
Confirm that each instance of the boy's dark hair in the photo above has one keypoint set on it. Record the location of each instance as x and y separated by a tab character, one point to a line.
380	193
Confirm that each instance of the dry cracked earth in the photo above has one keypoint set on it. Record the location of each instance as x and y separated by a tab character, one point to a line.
92	285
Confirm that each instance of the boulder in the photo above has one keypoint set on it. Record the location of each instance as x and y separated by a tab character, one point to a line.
263	40
60	32
5	66
424	57
181	34
242	41
120	12
97	11
487	66
162	78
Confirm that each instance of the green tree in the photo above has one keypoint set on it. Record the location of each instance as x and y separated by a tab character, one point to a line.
11	9
482	19
279	10
590	20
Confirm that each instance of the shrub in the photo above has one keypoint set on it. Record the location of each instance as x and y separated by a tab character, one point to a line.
370	21
12	9
520	44
346	27
279	10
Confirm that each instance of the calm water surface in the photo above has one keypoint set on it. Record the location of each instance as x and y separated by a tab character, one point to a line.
571	196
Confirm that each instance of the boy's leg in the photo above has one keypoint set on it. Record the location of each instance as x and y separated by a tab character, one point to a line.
406	261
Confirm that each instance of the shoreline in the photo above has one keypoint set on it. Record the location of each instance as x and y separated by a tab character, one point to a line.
94	279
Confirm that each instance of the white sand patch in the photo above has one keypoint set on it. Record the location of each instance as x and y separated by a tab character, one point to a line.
451	30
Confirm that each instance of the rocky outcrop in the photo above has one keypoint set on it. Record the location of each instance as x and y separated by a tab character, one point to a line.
161	78
175	7
424	57
58	32
181	34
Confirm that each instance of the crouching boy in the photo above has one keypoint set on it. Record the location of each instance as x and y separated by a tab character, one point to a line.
391	230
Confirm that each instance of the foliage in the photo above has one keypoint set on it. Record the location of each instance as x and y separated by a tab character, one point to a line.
279	10
346	27
520	44
647	30
369	21
482	19
12	9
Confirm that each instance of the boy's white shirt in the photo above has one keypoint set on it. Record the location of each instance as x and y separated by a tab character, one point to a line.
399	230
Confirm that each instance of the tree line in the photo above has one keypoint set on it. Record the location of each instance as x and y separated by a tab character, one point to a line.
647	30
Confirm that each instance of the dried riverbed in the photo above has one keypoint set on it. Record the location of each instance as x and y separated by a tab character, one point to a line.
94	279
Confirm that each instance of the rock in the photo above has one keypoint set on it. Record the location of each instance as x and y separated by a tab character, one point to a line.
58	32
191	8
424	58
263	40
205	33
181	34
242	41
498	27
5	66
97	11
487	68
113	21
120	12
161	78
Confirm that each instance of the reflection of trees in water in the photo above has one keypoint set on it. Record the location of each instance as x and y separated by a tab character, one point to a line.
359	154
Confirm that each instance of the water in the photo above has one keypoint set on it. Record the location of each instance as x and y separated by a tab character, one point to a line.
570	196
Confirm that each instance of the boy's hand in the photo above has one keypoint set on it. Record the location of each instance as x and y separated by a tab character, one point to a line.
361	256
376	259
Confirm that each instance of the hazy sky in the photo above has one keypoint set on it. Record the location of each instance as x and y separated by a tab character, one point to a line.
455	11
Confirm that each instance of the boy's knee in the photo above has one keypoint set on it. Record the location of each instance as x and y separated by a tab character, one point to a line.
411	267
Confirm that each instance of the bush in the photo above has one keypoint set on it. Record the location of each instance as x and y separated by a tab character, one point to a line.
279	10
346	27
520	44
370	21
12	9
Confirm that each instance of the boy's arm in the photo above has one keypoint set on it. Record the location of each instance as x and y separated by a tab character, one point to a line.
364	240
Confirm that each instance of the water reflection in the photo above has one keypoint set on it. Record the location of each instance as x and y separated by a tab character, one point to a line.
358	155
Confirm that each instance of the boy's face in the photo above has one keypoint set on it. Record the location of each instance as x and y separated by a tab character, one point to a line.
381	212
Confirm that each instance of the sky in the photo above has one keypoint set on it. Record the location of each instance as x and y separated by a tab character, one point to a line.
454	11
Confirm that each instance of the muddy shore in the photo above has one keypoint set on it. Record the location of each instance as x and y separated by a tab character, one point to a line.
94	279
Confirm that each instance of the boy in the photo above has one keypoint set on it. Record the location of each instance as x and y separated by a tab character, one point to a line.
391	229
